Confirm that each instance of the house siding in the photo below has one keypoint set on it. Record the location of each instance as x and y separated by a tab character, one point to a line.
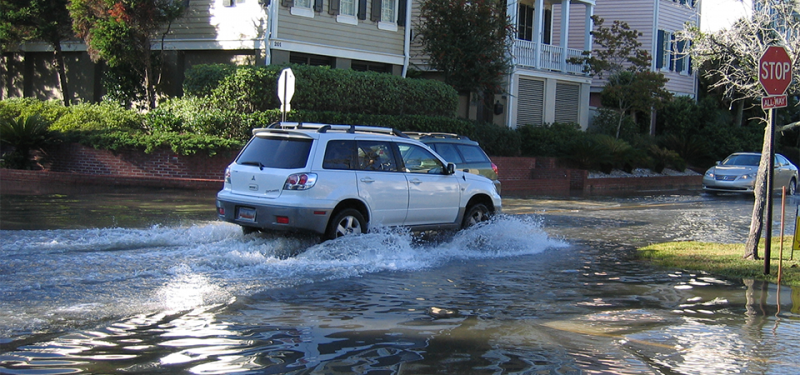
323	29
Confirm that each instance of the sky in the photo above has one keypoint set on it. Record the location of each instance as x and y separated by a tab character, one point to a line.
719	14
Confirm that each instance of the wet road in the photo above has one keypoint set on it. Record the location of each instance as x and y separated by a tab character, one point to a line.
143	281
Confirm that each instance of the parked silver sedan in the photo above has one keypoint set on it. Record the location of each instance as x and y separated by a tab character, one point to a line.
737	174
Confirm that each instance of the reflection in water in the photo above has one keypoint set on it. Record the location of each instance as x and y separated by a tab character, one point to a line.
552	292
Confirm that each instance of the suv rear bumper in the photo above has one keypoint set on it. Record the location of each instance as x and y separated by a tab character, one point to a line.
271	216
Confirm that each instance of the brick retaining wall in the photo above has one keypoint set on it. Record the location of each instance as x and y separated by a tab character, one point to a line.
73	164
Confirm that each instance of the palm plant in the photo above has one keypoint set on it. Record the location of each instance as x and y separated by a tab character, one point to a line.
24	134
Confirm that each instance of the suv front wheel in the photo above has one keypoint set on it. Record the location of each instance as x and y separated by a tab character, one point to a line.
475	214
347	221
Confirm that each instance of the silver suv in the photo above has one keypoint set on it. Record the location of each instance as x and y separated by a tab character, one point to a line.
335	180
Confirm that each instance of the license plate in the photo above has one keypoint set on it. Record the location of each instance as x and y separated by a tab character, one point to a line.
246	214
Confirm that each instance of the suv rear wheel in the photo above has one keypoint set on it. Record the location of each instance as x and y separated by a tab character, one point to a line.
475	214
347	221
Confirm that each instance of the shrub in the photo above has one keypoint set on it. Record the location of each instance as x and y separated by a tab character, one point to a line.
554	140
105	115
606	122
49	110
254	88
200	80
497	140
24	134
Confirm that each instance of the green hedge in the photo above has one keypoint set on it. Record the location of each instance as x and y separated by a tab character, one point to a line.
254	88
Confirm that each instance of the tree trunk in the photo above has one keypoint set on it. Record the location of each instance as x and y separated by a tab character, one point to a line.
757	219
739	113
148	80
61	67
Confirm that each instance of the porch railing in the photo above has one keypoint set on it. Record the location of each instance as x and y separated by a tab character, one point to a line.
550	57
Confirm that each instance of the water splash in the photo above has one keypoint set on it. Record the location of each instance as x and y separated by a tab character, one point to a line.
81	276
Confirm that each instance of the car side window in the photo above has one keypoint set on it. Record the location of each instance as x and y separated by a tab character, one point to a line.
376	156
339	154
419	160
448	152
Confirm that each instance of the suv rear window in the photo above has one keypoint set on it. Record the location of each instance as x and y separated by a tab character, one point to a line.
276	152
473	154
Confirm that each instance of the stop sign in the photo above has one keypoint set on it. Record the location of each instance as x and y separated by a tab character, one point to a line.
775	70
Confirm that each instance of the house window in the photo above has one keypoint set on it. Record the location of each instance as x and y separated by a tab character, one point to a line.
314	60
664	50
369	66
388	15
345	11
347	8
525	22
302	8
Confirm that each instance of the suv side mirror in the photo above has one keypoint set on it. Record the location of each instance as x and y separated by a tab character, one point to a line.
450	169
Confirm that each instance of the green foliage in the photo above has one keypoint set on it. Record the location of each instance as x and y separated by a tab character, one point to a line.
618	49
198	116
249	89
49	110
125	86
200	80
105	115
24	134
468	41
120	33
555	140
183	144
497	140
607	122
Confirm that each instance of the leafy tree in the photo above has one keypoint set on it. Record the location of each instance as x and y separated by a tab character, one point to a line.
468	41
119	32
731	57
618	49
631	86
46	20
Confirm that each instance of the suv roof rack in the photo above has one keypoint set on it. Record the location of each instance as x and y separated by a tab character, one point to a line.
438	135
324	128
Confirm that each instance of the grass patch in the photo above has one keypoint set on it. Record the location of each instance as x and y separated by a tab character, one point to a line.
725	259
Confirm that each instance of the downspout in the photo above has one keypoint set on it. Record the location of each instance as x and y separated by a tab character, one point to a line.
407	40
271	31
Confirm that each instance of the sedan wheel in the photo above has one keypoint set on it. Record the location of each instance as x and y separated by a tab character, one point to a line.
475	214
346	222
792	188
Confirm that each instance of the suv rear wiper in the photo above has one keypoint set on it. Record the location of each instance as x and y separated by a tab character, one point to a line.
256	163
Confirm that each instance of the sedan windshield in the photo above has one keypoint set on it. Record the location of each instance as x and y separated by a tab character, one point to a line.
748	160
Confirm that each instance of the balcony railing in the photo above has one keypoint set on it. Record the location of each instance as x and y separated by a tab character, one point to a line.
551	57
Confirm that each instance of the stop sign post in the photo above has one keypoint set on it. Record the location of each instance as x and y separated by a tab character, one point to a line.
775	75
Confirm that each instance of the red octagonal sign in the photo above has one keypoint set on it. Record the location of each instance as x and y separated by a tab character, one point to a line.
775	70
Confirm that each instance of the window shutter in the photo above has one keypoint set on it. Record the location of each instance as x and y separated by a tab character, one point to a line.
362	9
680	57
375	15
333	7
660	50
567	96
530	110
318	5
401	13
689	58
672	50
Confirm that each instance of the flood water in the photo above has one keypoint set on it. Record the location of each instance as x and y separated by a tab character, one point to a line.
147	281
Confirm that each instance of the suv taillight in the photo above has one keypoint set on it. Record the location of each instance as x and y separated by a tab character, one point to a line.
494	168
300	181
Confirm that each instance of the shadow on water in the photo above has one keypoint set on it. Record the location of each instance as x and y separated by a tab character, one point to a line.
551	287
